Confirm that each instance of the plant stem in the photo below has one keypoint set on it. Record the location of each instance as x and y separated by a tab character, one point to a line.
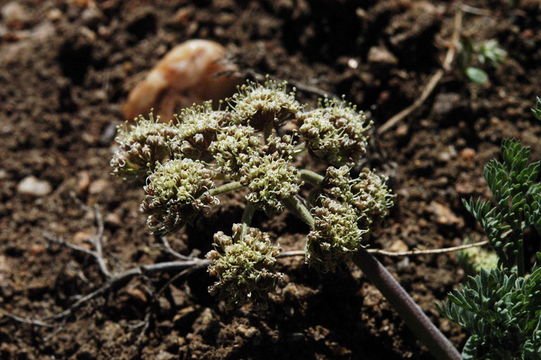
412	314
295	205
225	188
247	216
311	177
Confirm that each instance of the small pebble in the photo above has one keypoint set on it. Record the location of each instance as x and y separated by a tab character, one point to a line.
84	182
398	246
113	220
4	268
31	185
54	15
98	186
467	154
14	15
464	188
36	249
444	215
402	130
381	55
81	237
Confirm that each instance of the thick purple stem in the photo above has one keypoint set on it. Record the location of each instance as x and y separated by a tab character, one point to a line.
412	314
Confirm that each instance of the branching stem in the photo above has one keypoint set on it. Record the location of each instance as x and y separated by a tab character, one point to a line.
225	188
247	216
296	206
311	177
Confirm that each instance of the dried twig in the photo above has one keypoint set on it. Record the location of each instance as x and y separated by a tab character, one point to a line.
167	247
434	80
427	251
399	253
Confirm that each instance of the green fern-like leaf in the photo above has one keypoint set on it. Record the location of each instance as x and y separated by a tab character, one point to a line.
502	312
516	201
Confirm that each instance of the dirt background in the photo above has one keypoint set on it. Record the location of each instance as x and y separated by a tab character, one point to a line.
67	66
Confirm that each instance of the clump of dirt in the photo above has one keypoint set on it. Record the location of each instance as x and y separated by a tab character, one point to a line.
67	67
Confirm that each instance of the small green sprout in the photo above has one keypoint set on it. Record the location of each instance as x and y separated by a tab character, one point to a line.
537	109
501	307
473	56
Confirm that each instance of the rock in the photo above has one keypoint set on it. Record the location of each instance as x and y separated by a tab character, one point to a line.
447	154
445	102
31	185
113	220
398	246
81	237
98	186
444	215
4	268
54	14
467	154
36	249
137	294
380	55
402	130
14	15
464	188
84	182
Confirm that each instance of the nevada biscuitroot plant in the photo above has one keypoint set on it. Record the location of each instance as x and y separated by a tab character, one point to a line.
250	146
501	307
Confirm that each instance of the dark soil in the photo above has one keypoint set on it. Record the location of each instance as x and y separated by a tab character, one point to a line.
66	68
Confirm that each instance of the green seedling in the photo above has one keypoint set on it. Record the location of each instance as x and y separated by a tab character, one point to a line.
474	57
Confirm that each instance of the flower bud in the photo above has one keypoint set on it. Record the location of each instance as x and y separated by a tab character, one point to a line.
244	266
176	192
265	105
142	146
335	132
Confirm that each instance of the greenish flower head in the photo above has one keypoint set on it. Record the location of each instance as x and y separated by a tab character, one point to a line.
234	146
373	199
266	105
142	146
244	267
270	179
346	211
336	132
336	234
175	192
198	127
367	193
